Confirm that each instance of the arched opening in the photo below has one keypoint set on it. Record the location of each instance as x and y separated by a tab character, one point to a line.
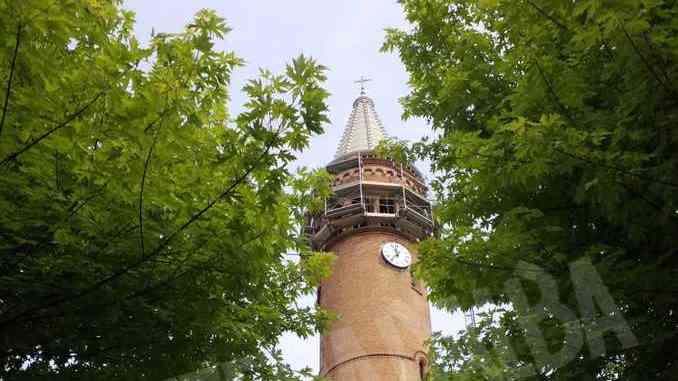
422	369
422	364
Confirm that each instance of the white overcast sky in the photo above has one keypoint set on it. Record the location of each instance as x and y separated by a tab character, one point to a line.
343	35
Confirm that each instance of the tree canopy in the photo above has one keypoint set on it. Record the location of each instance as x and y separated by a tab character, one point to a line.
143	228
556	163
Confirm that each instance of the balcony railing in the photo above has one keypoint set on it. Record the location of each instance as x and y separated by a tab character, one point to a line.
373	193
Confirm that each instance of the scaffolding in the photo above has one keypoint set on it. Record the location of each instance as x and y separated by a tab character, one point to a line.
470	318
359	200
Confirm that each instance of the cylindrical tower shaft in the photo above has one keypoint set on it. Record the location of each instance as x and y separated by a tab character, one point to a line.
383	316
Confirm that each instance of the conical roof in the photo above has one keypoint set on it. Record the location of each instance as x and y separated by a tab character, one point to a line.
363	131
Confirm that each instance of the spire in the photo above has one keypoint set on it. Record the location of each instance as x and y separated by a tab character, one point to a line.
364	129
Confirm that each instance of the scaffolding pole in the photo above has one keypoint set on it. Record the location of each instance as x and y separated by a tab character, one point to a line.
360	179
402	186
470	318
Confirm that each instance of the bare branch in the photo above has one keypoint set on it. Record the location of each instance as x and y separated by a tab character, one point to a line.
654	52
11	76
143	181
620	170
61	125
647	64
548	16
177	274
552	90
75	208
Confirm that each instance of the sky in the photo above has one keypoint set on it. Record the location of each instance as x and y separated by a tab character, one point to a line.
343	35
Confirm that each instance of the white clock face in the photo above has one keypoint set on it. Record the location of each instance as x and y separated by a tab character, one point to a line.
396	254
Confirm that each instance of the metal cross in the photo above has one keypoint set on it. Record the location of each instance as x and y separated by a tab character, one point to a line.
362	81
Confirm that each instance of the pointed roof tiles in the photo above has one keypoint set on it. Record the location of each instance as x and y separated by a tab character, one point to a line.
363	130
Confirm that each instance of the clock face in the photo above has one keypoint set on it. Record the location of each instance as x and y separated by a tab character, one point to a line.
396	255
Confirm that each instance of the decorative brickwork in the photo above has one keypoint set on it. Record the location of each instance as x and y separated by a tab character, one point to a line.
383	321
383	172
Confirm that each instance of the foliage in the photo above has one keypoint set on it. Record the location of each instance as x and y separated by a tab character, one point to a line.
400	151
556	142
142	228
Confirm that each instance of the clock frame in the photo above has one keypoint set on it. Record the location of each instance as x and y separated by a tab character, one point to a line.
396	255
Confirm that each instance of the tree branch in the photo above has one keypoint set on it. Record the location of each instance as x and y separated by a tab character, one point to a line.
647	64
553	93
11	76
662	62
569	116
177	274
493	267
548	16
143	181
37	140
161	246
82	202
617	169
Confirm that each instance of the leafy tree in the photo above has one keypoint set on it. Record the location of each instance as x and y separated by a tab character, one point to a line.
143	229
556	150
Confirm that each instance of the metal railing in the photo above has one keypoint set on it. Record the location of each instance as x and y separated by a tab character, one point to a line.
405	201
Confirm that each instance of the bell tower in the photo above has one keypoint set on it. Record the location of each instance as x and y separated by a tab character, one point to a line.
378	211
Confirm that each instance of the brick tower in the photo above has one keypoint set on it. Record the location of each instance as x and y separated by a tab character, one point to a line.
377	212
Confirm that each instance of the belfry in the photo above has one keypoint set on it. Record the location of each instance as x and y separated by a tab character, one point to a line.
376	214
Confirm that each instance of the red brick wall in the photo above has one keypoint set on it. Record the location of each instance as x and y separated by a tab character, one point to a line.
380	173
383	322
